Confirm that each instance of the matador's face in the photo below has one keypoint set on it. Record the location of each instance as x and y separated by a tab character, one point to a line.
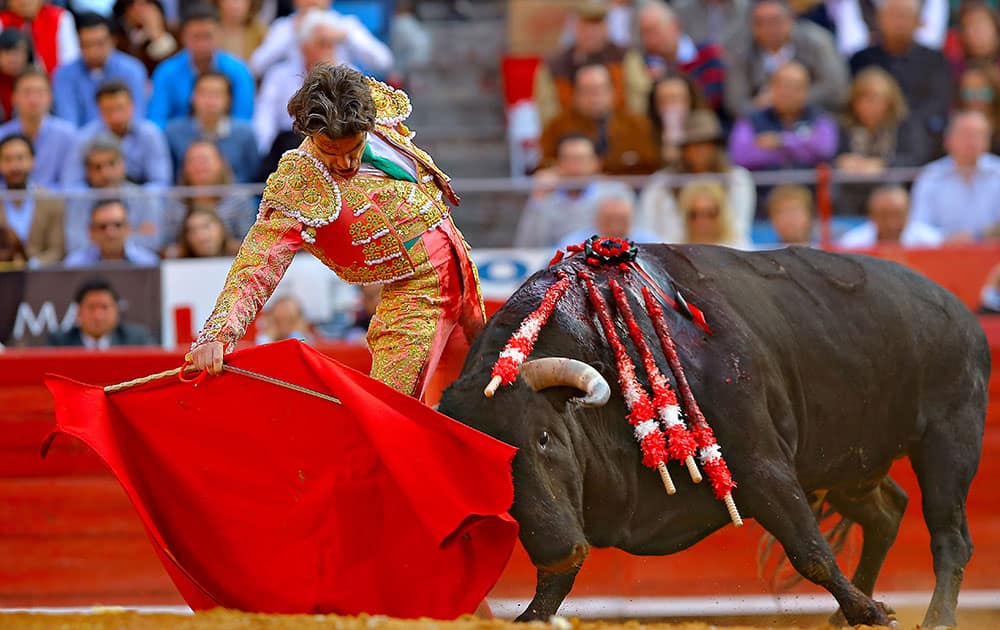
341	156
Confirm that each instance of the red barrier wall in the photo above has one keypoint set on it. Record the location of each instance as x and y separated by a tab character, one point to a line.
68	535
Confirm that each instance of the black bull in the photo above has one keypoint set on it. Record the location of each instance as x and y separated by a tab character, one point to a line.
822	370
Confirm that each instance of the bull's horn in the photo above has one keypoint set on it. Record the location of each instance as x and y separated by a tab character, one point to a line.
562	372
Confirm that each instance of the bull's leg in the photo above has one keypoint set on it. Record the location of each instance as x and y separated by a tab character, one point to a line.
945	465
879	513
554	584
779	504
550	591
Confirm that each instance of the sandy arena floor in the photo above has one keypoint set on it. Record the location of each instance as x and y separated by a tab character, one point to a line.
231	620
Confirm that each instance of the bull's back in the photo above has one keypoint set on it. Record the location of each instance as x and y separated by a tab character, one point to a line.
850	349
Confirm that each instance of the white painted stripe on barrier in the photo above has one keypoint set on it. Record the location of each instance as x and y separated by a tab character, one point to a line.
638	607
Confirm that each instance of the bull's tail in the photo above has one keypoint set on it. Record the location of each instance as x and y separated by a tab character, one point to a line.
772	564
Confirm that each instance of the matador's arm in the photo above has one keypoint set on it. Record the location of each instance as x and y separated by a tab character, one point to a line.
266	252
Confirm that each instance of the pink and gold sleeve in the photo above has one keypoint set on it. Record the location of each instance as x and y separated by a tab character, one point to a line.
266	253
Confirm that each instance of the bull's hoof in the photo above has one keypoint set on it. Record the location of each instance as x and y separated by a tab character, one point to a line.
838	620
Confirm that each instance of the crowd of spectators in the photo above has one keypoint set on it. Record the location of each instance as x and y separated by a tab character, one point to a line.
717	91
105	106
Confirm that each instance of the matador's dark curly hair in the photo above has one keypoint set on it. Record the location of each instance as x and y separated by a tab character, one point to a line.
333	100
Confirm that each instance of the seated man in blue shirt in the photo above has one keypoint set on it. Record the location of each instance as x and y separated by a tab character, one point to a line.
109	240
173	79
147	156
959	194
75	84
51	137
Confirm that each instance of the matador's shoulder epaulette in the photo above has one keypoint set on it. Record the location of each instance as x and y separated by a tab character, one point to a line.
302	188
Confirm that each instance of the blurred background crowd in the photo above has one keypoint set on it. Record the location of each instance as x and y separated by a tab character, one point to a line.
140	130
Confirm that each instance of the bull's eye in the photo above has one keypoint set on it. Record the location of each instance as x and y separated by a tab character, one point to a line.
543	439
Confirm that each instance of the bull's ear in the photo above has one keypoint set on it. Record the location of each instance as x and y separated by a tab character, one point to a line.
560	397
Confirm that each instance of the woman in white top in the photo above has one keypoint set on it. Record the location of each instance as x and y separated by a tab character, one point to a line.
702	151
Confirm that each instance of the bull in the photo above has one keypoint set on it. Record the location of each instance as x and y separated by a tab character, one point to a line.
821	370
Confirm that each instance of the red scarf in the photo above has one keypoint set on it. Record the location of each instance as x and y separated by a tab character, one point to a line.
44	30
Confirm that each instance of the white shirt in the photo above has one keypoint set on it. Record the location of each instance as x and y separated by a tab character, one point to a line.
853	35
101	343
67	42
359	49
915	234
270	110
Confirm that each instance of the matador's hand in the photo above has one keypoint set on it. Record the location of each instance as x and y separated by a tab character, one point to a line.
207	356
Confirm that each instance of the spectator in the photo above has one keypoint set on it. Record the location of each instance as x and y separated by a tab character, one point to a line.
284	320
317	41
554	80
671	100
789	134
12	254
147	156
410	41
623	140
791	210
702	152
978	34
75	84
665	46
51	29
104	167
99	325
989	296
857	25
555	209
240	30
109	239
776	40
370	295
209	120
203	235
173	79
888	213
615	217
37	219
875	133
142	31
50	136
959	194
979	90
708	219
719	21
204	165
15	57
355	44
922	73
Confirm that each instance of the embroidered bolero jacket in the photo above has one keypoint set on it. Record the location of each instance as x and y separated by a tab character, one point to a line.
360	228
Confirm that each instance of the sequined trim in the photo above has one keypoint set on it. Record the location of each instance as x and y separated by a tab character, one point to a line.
392	106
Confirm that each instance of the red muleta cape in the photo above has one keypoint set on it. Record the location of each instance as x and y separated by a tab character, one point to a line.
264	499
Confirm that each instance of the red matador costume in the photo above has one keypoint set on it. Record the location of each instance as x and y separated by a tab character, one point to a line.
371	229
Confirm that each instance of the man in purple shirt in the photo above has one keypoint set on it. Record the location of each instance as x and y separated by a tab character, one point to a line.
790	134
75	84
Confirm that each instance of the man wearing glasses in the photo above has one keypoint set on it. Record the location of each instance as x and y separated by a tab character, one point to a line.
109	239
